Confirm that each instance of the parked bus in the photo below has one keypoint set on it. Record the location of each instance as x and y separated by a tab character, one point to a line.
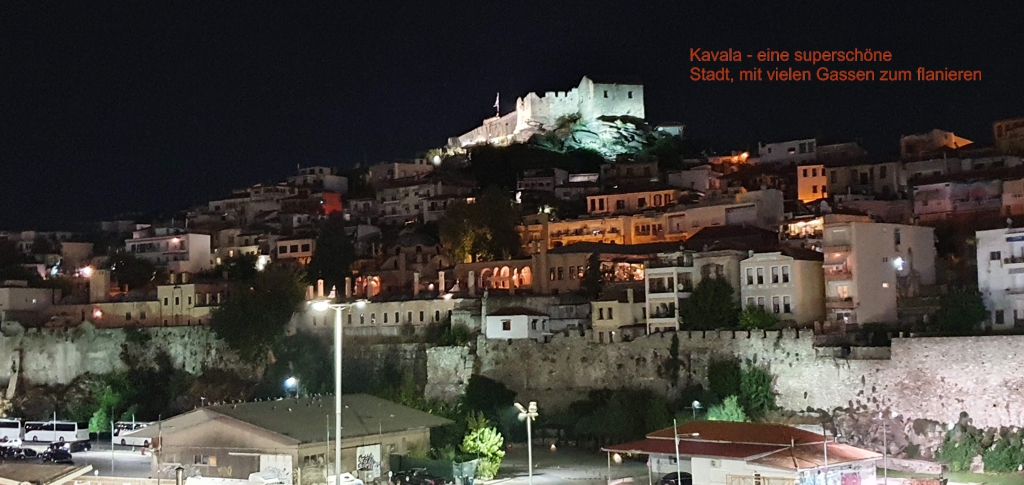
123	433
10	432
51	431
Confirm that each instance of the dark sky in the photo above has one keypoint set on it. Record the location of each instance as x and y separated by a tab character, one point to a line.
107	107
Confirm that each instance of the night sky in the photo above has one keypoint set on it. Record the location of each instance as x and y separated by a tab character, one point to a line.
109	107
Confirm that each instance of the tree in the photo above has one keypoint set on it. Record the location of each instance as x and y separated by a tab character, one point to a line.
725	378
484	230
334	254
592	277
43	245
487	396
240	268
710	306
252	322
756	318
486	443
130	271
729	410
756	395
961	311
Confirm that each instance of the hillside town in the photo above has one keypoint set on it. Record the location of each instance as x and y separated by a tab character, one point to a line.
486	269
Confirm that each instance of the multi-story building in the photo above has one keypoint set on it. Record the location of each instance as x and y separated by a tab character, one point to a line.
791	152
297	250
702	178
788	283
176	249
545	179
435	206
1009	135
382	173
923	145
958	200
618	315
636	172
320	179
630	200
868	266
811	182
1001	276
401	201
363	209
885	180
671	277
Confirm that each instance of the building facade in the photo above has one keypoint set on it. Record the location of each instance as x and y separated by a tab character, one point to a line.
177	250
787	283
1001	276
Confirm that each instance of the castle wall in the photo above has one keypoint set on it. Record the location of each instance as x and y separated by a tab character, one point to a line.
929	378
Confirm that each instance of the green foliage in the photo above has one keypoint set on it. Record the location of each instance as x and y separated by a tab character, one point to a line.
455	335
1004	456
672	364
724	378
137	336
961	311
756	395
710	306
252	321
487	444
140	393
129	271
239	268
306	357
756	318
333	256
617	416
487	396
592	278
484	230
959	448
729	410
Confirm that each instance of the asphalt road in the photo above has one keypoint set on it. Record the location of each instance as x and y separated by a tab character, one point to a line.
566	466
123	461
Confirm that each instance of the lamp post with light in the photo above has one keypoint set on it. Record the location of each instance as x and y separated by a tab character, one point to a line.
528	415
323	306
292	384
676	435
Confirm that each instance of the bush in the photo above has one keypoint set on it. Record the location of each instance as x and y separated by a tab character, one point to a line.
756	318
488	445
455	335
959	449
729	410
756	394
724	378
1004	456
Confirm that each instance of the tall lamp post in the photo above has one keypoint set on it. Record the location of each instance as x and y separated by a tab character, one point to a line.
885	415
676	435
528	415
323	306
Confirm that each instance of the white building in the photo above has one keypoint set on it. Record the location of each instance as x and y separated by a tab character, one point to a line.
382	173
1001	275
670	279
617	316
788	283
401	201
517	323
296	249
701	178
869	265
320	178
727	453
178	250
792	152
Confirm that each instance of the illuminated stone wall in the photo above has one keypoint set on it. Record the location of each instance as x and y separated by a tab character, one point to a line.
929	378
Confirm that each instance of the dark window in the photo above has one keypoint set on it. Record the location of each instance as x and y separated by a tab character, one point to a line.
882	172
999	317
421	317
177	301
128	316
561	273
305	248
437	315
165	302
606	94
294	248
834	176
610	314
506	325
995	256
600	313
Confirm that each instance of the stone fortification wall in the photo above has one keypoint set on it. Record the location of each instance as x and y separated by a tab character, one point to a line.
58	356
921	378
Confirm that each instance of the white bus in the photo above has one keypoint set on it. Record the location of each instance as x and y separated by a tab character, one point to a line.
123	431
10	432
51	431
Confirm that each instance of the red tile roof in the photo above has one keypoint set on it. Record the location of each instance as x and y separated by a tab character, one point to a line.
802	457
755	433
689	447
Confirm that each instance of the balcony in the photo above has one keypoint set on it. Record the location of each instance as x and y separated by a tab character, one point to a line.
1013	260
679	262
838	272
836	248
839	302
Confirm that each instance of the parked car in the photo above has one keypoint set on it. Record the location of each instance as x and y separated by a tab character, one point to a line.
14	453
674	479
417	476
57	454
346	479
71	446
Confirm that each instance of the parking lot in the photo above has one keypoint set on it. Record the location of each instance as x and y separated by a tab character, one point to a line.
567	465
122	461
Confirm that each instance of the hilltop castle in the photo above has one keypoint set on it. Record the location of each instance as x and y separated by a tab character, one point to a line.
535	114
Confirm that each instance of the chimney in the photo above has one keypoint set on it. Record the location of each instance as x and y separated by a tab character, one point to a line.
348	287
440	282
99	286
415	283
172	278
472	284
629	295
483	310
320	288
184	278
309	293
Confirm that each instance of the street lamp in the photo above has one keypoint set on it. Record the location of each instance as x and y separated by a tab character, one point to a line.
695	406
323	306
885	445
675	433
528	415
292	384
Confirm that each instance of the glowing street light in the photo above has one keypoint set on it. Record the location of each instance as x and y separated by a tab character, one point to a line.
292	384
322	306
86	271
528	415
